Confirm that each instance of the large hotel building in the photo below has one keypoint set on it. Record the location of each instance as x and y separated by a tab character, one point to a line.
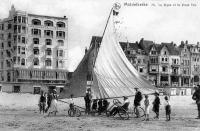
33	52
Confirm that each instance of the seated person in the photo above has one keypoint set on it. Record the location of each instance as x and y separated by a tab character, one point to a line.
100	106
124	106
105	105
94	104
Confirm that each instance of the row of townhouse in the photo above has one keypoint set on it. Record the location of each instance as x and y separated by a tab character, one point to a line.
166	65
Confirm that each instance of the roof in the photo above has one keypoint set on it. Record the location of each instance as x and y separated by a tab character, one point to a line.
173	50
63	18
146	45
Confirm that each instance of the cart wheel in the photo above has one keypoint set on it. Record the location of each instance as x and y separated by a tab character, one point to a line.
77	112
141	111
123	114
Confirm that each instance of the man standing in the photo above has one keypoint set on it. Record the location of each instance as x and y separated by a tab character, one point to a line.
137	100
196	96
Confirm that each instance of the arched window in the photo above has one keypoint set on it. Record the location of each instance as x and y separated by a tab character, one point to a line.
36	40
60	42
48	42
60	24
35	61
36	22
48	51
48	62
22	61
60	34
48	23
36	51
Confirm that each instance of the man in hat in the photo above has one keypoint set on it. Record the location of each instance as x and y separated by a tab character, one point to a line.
137	100
196	97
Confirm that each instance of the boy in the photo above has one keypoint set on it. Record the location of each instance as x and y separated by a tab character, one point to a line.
71	105
167	108
146	104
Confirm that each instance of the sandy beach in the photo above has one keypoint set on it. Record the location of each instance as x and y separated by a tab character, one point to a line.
19	112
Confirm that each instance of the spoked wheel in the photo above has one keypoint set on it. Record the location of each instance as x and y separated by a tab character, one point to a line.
74	112
77	112
141	112
123	114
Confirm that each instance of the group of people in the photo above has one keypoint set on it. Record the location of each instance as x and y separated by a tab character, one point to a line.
48	102
156	105
95	105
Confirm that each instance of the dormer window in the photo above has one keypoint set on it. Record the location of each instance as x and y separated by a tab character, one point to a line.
165	53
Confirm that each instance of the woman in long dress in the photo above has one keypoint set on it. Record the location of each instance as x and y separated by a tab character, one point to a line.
53	108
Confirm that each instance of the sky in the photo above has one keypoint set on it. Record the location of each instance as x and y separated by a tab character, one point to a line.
88	17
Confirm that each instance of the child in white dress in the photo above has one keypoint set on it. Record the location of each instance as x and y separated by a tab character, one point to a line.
146	104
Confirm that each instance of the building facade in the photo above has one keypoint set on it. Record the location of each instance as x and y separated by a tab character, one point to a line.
168	66
33	53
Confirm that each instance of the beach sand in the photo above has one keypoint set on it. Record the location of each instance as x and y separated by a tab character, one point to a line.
19	112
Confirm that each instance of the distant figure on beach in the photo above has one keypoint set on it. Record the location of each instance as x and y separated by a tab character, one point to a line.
88	99
196	97
71	102
167	108
94	104
53	107
137	100
147	105
156	105
42	102
49	98
100	106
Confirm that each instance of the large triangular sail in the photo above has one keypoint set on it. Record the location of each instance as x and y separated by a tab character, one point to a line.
113	74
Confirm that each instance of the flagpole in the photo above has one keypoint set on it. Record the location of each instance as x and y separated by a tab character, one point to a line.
107	22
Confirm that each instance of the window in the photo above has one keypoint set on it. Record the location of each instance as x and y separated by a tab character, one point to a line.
36	22
48	33
9	43
166	59
9	35
35	50
15	19
48	62
35	61
60	42
163	59
23	19
61	63
23	50
141	70
9	26
36	32
23	29
48	23
60	52
48	51
164	69
19	38
16	89
48	42
19	19
36	90
23	61
153	52
60	24
19	28
36	40
15	28
19	49
165	53
23	40
60	34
